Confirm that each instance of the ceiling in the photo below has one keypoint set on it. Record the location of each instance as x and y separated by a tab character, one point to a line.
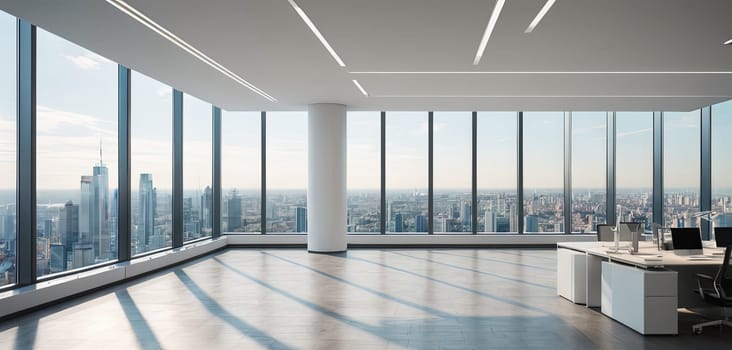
569	62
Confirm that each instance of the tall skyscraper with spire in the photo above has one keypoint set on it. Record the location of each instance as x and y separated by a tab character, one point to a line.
147	208
94	221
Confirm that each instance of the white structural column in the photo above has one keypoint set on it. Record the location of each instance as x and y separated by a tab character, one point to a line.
327	178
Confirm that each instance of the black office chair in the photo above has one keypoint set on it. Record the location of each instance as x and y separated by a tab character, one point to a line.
605	233
716	290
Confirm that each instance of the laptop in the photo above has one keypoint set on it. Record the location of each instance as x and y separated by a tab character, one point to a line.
687	241
723	236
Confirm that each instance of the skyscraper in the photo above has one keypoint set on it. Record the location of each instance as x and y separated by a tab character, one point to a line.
490	221
301	219
206	208
398	223
466	215
421	223
69	226
233	206
532	223
100	228
146	208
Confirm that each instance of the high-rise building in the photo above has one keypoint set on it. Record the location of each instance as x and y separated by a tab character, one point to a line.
233	206
398	223
490	221
206	212
100	227
420	222
58	260
68	226
301	219
531	223
466	214
146	211
86	209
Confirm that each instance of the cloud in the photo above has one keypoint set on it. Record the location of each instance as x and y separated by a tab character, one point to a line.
634	132
84	62
52	121
164	91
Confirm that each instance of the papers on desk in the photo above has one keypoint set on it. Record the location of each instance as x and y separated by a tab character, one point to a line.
702	257
653	259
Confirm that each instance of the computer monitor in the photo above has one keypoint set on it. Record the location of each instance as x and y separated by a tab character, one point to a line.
723	236
628	229
686	238
605	233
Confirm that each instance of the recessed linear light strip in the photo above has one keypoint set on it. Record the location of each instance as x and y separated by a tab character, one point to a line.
363	91
728	42
489	30
547	72
317	33
154	26
547	96
539	16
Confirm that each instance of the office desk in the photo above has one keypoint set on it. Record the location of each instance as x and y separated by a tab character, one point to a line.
642	290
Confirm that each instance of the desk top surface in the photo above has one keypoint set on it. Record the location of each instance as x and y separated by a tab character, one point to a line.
648	255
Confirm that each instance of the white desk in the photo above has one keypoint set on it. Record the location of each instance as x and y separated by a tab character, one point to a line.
626	286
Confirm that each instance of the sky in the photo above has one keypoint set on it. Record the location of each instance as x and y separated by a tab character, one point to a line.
77	112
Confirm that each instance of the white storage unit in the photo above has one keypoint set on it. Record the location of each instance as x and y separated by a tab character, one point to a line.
572	275
644	300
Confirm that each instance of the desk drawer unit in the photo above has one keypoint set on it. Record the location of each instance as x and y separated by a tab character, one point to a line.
571	275
644	300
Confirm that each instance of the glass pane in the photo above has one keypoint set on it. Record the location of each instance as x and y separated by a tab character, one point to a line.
634	167
681	162
497	147
544	172
8	94
406	172
241	171
589	174
722	163
76	156
287	172
453	172
197	168
364	172
151	153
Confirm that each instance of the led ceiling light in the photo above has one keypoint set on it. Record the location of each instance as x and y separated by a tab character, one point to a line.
315	31
363	91
547	72
488	30
728	42
539	16
157	28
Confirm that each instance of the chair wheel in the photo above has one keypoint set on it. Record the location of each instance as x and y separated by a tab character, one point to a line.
697	331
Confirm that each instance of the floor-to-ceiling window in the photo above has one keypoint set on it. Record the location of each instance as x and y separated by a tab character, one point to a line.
76	156
452	172
241	171
543	172
634	167
364	172
406	172
8	94
722	163
151	157
681	167
197	168
497	147
287	177
589	175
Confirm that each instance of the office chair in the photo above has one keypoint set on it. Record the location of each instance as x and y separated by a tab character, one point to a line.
605	233
720	292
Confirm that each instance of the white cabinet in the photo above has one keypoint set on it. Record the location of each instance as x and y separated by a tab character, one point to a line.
644	300
572	275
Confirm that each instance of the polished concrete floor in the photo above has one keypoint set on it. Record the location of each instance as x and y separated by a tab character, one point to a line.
365	299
